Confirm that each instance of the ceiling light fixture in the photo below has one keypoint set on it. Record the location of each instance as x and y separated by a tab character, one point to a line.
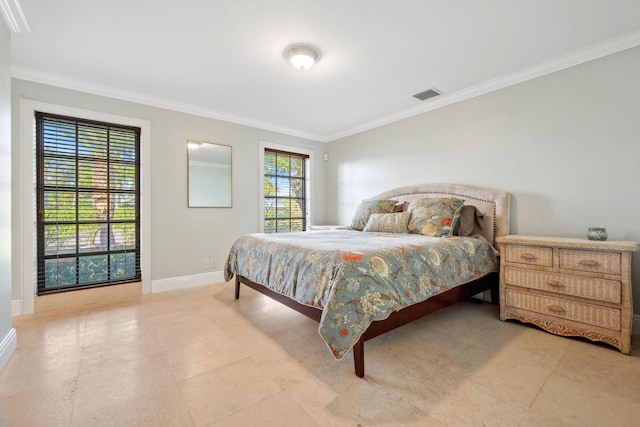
302	56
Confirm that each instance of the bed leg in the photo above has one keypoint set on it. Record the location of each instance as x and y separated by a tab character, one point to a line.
358	357
237	287
495	296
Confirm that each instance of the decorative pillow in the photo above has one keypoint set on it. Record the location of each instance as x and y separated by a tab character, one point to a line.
470	222
368	207
434	217
388	223
401	207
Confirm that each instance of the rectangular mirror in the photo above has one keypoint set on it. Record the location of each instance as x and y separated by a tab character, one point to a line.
209	175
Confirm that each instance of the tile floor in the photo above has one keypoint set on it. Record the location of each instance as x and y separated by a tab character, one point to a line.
198	357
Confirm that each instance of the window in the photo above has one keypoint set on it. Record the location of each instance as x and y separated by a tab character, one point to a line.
88	203
286	182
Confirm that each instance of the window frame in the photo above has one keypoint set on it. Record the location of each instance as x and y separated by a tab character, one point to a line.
308	178
25	240
80	253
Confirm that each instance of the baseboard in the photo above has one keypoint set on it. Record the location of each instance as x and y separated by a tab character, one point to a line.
16	307
8	345
184	282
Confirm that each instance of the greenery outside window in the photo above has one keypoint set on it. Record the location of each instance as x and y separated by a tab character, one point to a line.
88	203
286	182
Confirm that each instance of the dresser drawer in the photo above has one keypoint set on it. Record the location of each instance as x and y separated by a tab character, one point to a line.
533	255
590	314
585	287
592	261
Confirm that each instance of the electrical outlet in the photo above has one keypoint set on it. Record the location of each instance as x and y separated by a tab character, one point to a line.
213	263
205	264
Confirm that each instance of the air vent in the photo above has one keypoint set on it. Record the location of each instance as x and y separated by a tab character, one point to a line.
430	93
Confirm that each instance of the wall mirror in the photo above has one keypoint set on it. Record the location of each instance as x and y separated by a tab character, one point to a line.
209	175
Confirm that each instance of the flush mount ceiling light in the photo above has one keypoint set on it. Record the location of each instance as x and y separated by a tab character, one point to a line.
302	56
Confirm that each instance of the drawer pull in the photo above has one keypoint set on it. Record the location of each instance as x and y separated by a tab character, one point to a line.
589	263
556	309
528	256
555	283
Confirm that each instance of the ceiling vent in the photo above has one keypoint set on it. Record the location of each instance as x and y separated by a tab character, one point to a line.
430	93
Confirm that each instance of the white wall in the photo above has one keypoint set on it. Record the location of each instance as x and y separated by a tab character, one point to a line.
181	237
8	341
566	146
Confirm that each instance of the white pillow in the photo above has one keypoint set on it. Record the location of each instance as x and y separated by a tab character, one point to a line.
388	223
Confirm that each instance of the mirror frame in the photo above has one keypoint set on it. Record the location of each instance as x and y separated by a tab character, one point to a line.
192	145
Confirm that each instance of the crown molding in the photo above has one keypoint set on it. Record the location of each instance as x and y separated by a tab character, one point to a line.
14	16
167	104
578	57
581	56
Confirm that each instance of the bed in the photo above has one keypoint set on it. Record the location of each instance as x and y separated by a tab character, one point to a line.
359	284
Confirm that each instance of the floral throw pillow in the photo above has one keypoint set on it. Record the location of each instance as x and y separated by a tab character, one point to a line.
368	207
434	217
389	223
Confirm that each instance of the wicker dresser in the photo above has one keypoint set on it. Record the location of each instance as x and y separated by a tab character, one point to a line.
569	286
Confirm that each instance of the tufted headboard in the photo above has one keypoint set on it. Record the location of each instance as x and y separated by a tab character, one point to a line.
494	204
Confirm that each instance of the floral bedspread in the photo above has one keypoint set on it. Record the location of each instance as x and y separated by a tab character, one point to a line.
357	277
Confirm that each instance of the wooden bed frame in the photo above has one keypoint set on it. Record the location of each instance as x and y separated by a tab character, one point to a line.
495	205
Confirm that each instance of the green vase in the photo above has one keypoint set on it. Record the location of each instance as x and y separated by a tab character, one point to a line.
597	233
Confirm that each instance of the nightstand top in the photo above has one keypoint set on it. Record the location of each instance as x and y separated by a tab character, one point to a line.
570	242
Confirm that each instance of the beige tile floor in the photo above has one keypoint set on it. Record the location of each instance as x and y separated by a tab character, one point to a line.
200	358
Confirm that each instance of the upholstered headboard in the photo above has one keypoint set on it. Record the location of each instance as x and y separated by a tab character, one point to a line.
494	204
